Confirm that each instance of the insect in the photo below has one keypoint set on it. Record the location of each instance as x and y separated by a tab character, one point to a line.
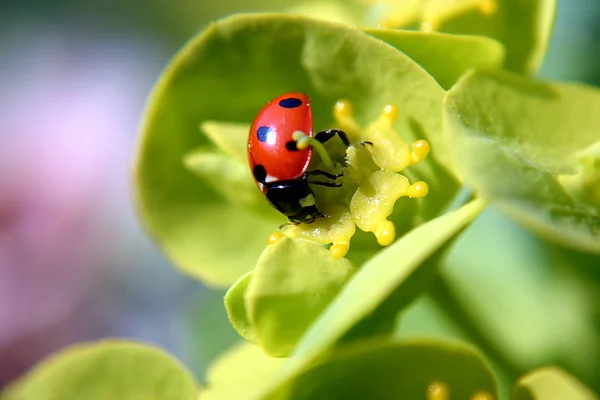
280	146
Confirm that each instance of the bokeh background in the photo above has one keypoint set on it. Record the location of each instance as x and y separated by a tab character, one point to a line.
75	264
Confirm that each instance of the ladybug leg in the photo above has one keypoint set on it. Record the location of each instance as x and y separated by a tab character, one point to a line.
324	136
324	173
326	184
319	215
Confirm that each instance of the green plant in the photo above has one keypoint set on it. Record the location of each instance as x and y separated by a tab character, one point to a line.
498	137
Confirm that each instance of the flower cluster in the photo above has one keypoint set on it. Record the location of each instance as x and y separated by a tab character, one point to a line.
372	183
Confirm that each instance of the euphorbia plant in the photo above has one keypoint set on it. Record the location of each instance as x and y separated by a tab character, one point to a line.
318	303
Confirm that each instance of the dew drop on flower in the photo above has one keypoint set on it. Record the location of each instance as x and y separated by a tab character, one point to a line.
339	250
482	396
488	7
274	237
438	390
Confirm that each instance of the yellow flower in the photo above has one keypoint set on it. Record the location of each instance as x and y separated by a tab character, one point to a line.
372	182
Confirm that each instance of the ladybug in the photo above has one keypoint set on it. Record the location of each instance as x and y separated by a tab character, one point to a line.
279	167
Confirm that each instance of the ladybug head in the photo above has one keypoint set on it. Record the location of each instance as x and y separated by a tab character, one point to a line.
295	199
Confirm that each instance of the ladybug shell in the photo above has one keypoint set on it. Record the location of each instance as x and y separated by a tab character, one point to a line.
272	152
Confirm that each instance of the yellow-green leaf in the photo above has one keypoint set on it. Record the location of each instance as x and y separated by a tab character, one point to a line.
446	57
106	370
551	383
513	139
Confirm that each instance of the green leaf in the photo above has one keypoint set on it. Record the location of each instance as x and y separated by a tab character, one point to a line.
228	177
584	185
551	383
383	319
381	275
547	310
106	370
349	12
294	281
394	14
524	27
375	281
236	307
445	57
513	138
227	73
231	138
238	373
407	369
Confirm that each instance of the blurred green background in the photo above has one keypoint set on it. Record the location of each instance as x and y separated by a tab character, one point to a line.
75	264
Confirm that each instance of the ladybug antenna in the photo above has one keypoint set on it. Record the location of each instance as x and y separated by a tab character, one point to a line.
303	141
287	224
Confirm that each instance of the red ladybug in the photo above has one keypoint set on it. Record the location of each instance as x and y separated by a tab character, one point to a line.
279	167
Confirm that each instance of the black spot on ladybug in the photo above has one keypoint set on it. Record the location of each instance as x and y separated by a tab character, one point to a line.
291	102
260	173
262	133
291	145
